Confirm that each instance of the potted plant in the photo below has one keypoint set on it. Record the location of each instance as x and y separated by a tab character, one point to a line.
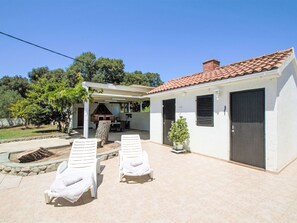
179	133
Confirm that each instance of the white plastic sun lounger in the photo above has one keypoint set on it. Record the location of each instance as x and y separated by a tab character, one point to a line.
133	160
79	174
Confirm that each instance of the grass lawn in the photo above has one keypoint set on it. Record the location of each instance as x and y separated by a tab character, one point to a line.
21	131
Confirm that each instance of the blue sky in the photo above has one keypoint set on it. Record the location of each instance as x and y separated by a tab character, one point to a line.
170	37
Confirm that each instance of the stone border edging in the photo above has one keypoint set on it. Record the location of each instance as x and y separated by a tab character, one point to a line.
33	138
29	169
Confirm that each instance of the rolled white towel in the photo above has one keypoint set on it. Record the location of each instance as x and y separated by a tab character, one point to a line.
136	162
70	180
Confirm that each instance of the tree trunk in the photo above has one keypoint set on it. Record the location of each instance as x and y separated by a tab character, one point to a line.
59	126
34	155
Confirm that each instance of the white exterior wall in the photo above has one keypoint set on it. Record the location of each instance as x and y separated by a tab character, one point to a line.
156	120
139	120
287	115
215	141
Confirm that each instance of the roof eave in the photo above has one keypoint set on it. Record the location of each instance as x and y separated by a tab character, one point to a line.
134	88
287	61
266	74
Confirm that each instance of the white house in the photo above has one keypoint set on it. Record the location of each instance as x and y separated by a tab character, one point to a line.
244	112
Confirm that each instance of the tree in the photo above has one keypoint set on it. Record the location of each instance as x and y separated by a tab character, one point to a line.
146	79
102	70
50	100
12	89
154	79
61	98
85	65
109	70
7	97
57	75
35	107
37	73
135	77
15	83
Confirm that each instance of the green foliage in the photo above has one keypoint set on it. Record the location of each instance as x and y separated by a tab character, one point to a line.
21	109
139	78
103	70
15	83
7	97
136	77
109	70
146	109
179	132
37	73
85	65
154	79
50	100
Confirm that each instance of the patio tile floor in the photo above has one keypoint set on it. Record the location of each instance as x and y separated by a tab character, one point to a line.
9	181
186	188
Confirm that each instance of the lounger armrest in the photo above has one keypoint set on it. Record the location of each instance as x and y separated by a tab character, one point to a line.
96	170
62	167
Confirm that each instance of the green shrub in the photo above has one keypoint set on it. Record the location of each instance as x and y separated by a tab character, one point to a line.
179	132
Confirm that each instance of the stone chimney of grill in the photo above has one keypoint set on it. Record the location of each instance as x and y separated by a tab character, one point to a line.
210	65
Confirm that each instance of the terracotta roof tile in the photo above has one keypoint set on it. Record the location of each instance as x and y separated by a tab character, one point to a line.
245	67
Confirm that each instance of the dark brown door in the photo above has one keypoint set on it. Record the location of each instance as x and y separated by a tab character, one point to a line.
80	117
247	127
168	117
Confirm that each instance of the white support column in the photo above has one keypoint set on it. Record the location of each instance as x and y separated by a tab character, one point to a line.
129	108
141	106
71	118
86	114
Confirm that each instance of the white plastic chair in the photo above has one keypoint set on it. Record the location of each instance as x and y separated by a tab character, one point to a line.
130	151
82	160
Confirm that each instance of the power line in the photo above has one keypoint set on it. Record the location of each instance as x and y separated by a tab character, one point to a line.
44	48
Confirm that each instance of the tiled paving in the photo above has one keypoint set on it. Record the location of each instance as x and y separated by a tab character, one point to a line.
9	181
1	177
186	188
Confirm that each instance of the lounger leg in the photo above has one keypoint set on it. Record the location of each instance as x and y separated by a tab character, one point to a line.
47	198
93	192
151	174
121	176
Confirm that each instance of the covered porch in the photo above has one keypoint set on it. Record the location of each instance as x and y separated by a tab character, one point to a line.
125	106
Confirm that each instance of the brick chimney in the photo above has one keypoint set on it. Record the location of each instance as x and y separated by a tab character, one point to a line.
210	65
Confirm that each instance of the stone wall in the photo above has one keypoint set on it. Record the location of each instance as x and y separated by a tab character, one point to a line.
27	170
11	122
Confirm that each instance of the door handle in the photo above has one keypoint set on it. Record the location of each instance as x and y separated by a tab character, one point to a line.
232	128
